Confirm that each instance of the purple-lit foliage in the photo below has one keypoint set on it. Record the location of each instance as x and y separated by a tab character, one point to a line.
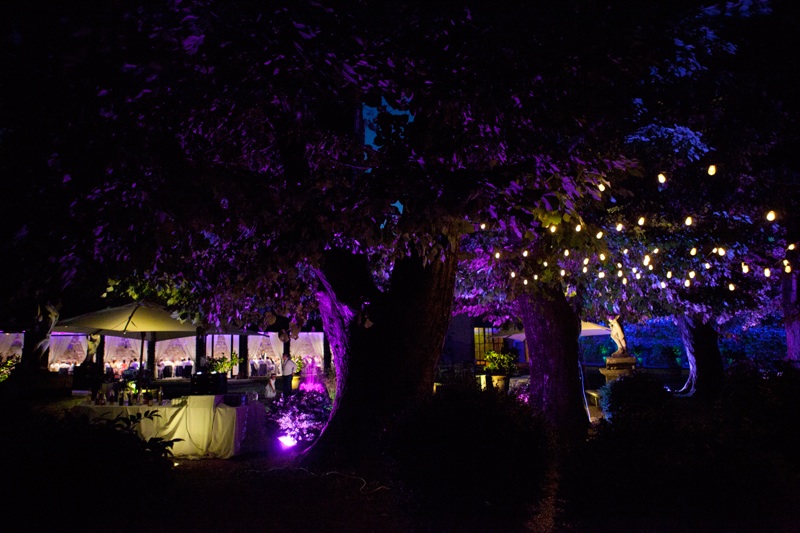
303	416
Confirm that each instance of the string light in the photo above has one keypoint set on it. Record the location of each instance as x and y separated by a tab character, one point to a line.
712	169
669	274
601	275
641	221
545	263
767	273
771	216
578	228
707	265
714	250
625	251
662	178
552	229
563	272
620	227
646	260
535	277
602	257
513	275
624	281
790	247
785	261
566	253
692	274
483	226
619	273
599	235
585	270
693	251
586	261
524	281
638	276
497	255
601	187
663	284
655	250
731	287
634	269
686	283
721	251
688	221
788	269
649	267
525	253
745	268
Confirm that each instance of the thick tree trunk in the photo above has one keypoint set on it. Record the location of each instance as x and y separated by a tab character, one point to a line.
551	330
791	317
385	347
705	361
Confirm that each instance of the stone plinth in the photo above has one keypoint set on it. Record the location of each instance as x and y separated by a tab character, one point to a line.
617	367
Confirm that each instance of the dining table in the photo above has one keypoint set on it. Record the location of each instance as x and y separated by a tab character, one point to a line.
201	425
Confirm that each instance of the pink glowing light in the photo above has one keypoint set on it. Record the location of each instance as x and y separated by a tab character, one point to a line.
287	441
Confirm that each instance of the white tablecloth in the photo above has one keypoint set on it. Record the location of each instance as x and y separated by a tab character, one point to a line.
207	427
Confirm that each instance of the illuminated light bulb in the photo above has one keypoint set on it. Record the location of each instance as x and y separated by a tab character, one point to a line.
745	268
634	270
721	251
640	221
563	272
649	267
566	253
585	270
545	263
552	229
586	261
731	287
524	281
663	284
693	251
771	216
483	226
624	281
638	276
686	283
578	228
662	178
601	187
707	265
601	274
688	221
767	273
790	247
602	257
646	260
620	227
599	235
535	277
785	261
513	275
625	251
714	250
619	265
655	250
525	253
619	273
669	274
692	274
712	169
788	269
497	255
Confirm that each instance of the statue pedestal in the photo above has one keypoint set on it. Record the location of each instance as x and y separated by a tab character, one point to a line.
617	367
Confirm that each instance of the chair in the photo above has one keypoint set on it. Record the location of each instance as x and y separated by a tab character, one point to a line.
262	368
167	372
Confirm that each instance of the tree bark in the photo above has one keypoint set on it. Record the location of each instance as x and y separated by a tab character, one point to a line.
385	347
705	360
791	315
551	330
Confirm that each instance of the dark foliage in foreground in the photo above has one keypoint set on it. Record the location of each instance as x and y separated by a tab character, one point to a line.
681	464
473	460
78	475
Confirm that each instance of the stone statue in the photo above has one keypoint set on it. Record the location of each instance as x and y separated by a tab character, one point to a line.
618	336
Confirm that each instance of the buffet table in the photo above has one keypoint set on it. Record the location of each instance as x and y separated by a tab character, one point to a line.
207	427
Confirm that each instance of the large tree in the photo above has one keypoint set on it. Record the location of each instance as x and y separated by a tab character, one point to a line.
217	150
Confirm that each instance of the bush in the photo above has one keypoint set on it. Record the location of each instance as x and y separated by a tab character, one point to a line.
470	455
632	398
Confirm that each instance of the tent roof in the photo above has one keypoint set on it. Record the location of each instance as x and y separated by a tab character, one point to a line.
131	320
